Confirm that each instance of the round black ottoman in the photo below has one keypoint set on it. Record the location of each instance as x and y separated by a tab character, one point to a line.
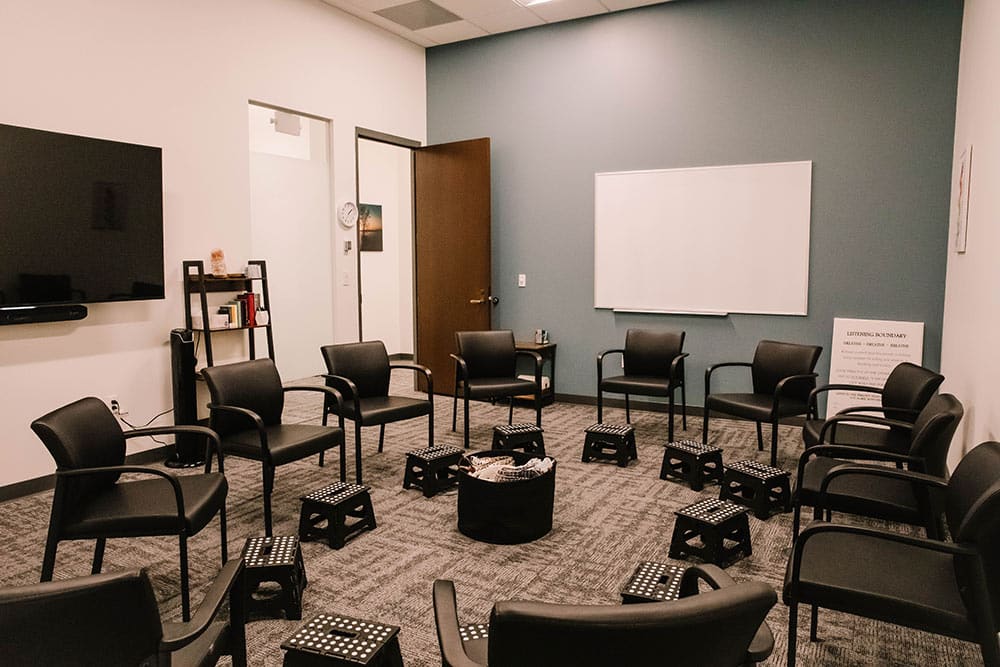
506	512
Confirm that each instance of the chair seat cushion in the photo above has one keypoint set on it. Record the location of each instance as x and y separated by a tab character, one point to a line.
490	387
147	506
893	440
385	409
885	498
644	385
754	406
888	581
286	442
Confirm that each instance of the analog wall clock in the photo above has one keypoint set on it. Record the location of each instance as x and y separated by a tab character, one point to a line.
347	214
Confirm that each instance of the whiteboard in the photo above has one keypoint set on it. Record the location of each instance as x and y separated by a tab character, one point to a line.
706	240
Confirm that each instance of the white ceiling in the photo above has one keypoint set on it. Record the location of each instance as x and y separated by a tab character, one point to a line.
479	18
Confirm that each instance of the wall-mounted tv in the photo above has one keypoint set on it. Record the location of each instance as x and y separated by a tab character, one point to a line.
81	219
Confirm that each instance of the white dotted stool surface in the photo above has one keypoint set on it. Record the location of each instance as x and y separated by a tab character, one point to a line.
434	453
335	493
341	636
655	581
610	429
270	551
759	470
712	511
692	447
514	429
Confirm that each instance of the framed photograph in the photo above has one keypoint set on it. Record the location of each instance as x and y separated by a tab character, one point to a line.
961	206
370	226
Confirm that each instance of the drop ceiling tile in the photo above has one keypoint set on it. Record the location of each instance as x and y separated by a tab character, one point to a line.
366	5
515	18
418	14
566	10
471	9
452	32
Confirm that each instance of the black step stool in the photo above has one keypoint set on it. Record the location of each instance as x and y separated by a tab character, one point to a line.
762	488
722	526
519	436
653	582
692	462
277	560
335	504
332	640
608	442
433	469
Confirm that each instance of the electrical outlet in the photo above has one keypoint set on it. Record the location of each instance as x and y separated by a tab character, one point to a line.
116	407
522	280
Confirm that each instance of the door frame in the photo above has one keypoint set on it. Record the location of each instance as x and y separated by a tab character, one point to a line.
402	142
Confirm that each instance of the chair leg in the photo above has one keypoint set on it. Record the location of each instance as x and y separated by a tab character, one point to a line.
600	406
538	407
49	558
466	420
684	406
357	453
670	418
510	410
774	443
223	537
381	437
454	408
796	521
324	424
628	412
268	474
343	458
98	556
430	427
760	438
704	425
793	622
813	622
185	593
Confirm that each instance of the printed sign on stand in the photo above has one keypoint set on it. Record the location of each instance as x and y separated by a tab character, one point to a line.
865	352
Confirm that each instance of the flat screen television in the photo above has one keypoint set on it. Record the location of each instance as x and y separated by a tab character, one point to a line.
81	219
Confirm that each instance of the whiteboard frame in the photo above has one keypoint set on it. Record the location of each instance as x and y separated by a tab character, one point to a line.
797	199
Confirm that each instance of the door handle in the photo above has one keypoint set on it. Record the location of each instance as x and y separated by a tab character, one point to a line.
486	299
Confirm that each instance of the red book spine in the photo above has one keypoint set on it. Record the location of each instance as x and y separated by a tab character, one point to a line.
251	310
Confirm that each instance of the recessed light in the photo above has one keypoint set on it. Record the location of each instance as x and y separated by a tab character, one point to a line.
530	3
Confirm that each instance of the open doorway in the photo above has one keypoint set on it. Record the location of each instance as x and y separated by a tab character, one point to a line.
290	228
385	242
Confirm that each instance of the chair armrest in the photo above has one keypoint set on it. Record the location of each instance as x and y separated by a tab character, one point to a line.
860	419
877	408
785	384
713	575
211	436
851	452
930	481
600	362
446	619
714	367
252	416
763	641
676	364
420	369
839	387
538	364
461	368
329	392
179	635
143	470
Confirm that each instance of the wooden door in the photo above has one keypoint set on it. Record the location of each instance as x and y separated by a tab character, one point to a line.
451	250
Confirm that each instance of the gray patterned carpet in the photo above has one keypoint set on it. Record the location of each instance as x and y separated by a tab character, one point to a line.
606	520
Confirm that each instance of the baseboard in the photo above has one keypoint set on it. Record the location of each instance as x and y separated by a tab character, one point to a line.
48	482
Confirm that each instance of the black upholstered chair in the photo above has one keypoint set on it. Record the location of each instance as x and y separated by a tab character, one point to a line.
719	628
246	407
782	376
486	368
92	503
823	483
947	588
904	395
112	620
653	366
360	372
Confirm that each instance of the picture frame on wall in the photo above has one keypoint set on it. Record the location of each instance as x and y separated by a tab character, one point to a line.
370	226
961	205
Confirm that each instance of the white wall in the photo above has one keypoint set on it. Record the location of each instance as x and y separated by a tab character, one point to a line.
970	357
387	277
179	75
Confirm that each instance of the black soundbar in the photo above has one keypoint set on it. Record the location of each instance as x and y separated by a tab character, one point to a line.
29	314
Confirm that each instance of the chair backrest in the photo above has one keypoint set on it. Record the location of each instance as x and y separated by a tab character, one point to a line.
908	387
487	354
650	352
933	430
104	619
366	364
774	360
83	434
972	510
254	385
711	628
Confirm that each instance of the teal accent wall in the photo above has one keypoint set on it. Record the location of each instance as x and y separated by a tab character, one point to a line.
865	89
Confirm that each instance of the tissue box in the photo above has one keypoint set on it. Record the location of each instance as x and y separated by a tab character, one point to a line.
546	380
